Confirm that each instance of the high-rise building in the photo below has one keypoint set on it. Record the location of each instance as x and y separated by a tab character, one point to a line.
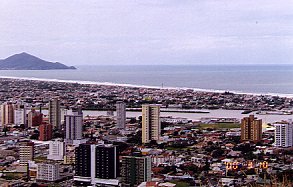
55	113
48	172
106	161
56	150
34	118
96	164
121	114
46	132
251	129
73	127
7	113
135	170
63	113
151	124
20	115
26	153
284	134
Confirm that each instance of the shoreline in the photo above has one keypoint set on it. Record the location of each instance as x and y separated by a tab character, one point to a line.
146	86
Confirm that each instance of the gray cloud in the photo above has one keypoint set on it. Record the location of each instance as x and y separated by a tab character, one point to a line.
149	32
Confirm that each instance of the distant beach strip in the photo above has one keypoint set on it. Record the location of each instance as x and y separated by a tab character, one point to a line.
144	86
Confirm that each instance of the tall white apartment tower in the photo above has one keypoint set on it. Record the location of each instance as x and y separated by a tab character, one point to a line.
20	115
151	124
121	114
73	127
55	113
284	134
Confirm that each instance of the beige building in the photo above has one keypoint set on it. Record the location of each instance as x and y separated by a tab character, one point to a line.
151	124
251	129
7	114
26	153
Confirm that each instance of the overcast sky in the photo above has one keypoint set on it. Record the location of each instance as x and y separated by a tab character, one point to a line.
97	32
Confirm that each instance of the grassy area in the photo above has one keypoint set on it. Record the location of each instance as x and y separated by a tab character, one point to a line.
220	126
180	184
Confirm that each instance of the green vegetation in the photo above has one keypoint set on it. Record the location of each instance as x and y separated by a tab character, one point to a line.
12	176
220	126
180	184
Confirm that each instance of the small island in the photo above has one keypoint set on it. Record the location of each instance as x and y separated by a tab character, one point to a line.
25	61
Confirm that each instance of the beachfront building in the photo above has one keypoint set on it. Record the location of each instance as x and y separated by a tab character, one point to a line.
54	113
121	114
284	134
151	125
251	129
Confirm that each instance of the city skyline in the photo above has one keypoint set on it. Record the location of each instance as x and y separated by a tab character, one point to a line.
149	32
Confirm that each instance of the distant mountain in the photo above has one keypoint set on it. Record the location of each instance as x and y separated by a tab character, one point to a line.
25	61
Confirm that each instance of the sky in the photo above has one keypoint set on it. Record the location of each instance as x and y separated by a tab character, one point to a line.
138	32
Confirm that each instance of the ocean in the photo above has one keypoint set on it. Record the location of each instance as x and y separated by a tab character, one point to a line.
256	79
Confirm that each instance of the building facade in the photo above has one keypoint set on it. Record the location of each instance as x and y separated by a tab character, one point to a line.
20	117
95	164
251	129
34	118
135	170
151	124
48	172
56	150
54	114
46	132
26	153
121	114
284	134
7	113
73	127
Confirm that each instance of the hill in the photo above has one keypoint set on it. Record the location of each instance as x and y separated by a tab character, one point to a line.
25	61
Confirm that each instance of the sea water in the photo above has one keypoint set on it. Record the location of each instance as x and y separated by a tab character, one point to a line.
258	79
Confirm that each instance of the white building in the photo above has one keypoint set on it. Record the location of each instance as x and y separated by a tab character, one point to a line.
284	134
56	150
20	116
121	114
73	127
48	172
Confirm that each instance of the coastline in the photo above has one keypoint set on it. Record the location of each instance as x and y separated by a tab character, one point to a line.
146	86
